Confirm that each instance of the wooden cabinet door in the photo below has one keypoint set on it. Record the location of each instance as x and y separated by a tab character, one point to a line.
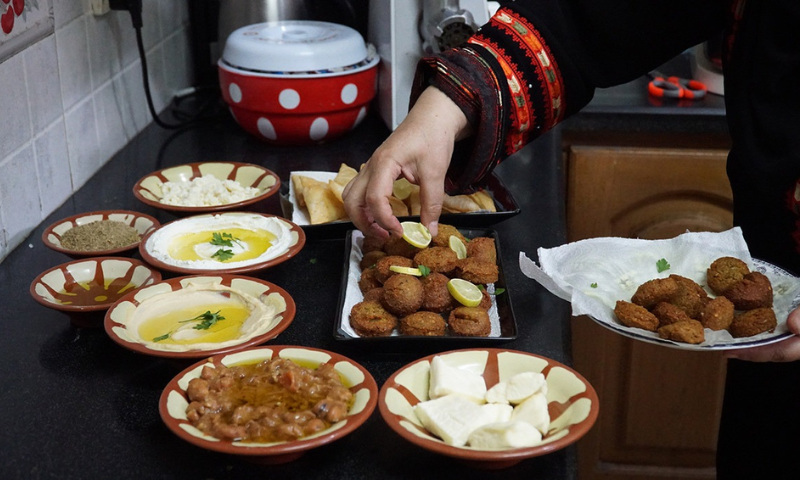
659	407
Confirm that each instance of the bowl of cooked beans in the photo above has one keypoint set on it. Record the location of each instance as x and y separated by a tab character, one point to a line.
99	233
270	404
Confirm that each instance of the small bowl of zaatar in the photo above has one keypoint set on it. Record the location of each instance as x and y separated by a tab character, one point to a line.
228	242
205	187
100	233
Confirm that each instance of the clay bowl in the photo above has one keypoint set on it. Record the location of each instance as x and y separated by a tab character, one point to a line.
123	319
572	403
82	287
143	224
289	240
149	188
174	400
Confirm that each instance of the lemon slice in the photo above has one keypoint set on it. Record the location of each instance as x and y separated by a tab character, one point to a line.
407	270
402	188
416	234
467	293
457	246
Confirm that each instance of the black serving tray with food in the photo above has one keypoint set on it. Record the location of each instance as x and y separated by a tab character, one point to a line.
505	205
505	312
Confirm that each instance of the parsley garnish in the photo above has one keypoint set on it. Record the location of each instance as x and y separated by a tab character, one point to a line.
425	271
222	239
594	285
162	337
662	265
206	320
223	255
499	291
312	261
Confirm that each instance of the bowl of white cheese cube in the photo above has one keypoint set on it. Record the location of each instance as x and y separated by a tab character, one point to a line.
489	407
206	187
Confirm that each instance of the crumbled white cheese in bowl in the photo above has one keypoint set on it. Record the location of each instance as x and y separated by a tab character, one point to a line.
205	191
231	242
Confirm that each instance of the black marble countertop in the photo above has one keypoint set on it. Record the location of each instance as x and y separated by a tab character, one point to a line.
77	405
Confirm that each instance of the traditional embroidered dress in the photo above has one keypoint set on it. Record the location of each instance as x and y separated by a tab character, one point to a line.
539	61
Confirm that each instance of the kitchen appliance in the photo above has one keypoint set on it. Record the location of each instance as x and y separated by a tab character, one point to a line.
404	30
706	60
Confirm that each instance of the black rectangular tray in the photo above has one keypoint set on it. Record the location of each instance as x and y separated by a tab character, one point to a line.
508	322
504	203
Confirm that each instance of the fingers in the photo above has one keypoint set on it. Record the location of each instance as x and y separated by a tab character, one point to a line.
784	351
431	195
366	200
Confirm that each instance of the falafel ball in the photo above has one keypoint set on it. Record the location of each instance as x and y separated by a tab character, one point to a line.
402	294
442	238
423	323
437	297
717	314
470	322
667	314
691	297
372	243
477	271
437	259
369	280
753	322
370	319
399	246
382	266
370	259
635	316
486	300
482	248
753	291
651	292
373	295
724	272
689	331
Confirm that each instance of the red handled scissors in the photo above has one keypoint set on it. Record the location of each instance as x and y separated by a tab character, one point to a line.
674	87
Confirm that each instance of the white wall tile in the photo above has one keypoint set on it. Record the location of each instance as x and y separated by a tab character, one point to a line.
15	129
110	127
129	92
44	83
177	62
84	154
65	11
104	47
19	199
157	78
73	62
52	166
151	29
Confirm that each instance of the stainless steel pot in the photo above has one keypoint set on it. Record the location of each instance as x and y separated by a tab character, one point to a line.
234	14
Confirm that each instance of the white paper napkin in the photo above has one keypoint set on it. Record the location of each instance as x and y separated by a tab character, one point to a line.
593	274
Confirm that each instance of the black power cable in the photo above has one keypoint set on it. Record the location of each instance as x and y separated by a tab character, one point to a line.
134	7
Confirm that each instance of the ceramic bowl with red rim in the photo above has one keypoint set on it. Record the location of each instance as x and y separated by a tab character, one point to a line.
199	316
227	242
298	82
142	223
572	402
91	284
205	187
174	402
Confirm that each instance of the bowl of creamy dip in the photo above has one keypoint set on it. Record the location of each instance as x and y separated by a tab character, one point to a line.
197	316
205	187
230	242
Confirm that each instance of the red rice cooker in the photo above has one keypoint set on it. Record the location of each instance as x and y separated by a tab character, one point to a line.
298	82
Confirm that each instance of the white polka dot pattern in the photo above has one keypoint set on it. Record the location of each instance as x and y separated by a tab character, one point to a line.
235	92
266	129
319	128
289	99
349	93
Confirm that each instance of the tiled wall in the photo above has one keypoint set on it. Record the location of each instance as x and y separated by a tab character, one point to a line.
73	99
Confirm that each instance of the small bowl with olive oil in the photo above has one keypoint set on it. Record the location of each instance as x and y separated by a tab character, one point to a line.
81	287
99	233
197	316
229	242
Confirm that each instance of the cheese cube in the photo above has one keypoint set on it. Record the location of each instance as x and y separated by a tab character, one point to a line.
533	411
523	385
501	436
451	418
497	394
446	380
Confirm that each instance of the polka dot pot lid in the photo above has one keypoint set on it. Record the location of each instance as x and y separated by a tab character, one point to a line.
295	46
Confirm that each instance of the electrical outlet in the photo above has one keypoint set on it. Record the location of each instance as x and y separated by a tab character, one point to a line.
100	7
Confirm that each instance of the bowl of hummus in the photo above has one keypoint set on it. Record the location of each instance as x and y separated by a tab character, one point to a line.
230	242
198	316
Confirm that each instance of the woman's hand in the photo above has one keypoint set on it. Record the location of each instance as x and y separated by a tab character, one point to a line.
419	150
784	351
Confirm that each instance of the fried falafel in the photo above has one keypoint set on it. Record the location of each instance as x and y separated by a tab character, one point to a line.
635	316
382	266
402	294
477	271
753	322
482	248
437	259
717	314
689	331
437	297
423	323
724	272
470	322
651	292
370	319
754	290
